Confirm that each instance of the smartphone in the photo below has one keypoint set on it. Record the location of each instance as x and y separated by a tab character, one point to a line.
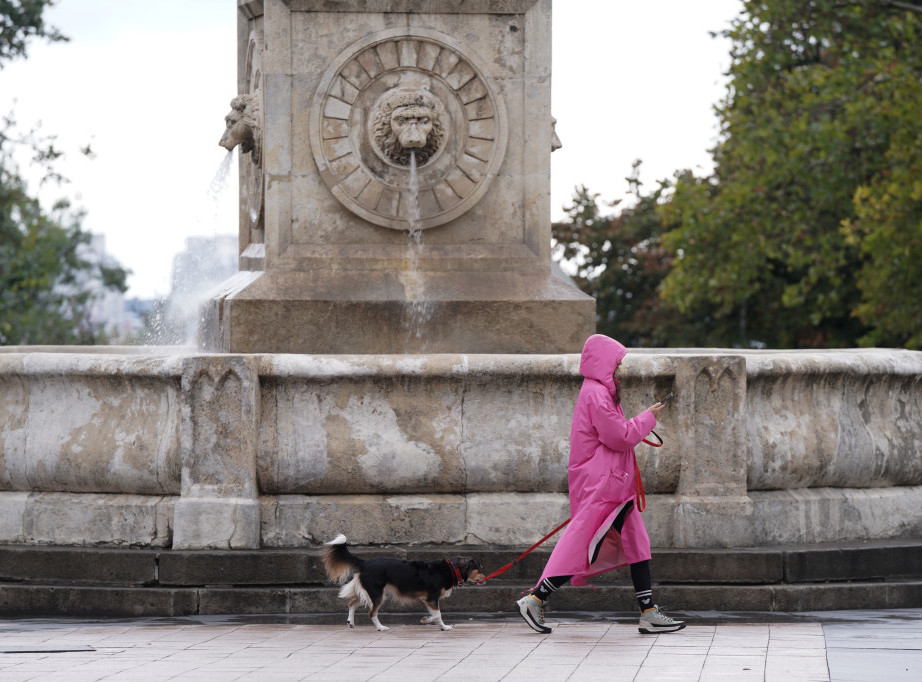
666	399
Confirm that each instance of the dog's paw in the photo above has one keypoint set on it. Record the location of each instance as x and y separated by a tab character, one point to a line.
447	627
382	628
351	625
427	620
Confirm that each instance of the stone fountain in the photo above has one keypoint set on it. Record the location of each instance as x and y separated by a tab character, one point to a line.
396	359
335	99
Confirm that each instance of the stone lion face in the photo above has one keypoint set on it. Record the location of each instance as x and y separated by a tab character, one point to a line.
241	124
408	122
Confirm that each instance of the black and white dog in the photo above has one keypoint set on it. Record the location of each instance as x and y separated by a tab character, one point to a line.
374	580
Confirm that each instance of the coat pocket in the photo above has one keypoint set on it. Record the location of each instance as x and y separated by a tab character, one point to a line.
618	485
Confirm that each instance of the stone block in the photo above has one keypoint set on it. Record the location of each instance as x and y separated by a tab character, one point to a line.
242	600
216	522
75	565
702	566
857	595
93	423
715	597
852	561
240	567
220	413
99	602
725	521
834	515
299	521
515	518
86	519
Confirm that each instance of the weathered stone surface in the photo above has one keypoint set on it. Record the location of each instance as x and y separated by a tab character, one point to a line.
302	520
68	564
218	506
89	423
43	600
847	419
46	581
415	424
831	514
881	559
274	447
237	567
86	519
338	272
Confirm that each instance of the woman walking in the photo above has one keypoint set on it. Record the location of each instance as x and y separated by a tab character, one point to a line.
605	530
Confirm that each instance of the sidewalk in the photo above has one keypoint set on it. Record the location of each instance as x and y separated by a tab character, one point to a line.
838	646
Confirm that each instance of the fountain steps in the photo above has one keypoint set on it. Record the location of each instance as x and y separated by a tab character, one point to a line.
113	582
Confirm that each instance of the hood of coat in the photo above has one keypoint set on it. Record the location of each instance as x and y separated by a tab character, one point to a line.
601	356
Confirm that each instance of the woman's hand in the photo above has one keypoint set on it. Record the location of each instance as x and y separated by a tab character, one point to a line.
656	408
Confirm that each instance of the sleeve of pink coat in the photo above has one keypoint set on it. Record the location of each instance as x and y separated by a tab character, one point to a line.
619	433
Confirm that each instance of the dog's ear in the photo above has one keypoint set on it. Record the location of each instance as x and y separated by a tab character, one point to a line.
470	567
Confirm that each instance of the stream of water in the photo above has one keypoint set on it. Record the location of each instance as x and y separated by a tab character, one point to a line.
418	310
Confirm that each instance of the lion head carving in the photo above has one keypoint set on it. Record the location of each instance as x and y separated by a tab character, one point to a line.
243	125
405	122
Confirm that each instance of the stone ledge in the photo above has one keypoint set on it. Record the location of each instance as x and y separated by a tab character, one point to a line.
874	560
82	601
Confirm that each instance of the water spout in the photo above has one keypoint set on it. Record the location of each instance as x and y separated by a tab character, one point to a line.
418	311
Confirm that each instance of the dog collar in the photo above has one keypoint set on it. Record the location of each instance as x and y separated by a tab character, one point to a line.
456	574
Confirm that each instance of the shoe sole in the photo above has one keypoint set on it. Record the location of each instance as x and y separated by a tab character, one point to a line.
657	630
537	627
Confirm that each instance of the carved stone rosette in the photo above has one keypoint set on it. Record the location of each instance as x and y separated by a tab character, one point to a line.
415	78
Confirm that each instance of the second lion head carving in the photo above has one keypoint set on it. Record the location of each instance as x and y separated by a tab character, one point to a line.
243	123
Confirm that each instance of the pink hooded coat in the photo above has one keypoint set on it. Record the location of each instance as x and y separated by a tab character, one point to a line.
601	473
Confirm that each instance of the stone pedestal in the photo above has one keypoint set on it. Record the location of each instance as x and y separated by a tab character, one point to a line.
218	506
395	182
712	508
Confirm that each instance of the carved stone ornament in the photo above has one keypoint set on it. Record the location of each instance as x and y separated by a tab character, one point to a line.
401	91
244	127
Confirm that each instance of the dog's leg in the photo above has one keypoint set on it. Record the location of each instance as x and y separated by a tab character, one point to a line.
435	615
373	614
426	619
353	603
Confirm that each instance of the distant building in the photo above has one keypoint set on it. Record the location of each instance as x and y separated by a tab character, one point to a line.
205	263
107	308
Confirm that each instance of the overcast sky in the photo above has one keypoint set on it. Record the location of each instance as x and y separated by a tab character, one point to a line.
147	85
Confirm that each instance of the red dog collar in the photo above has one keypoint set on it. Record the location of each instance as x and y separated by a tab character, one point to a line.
456	574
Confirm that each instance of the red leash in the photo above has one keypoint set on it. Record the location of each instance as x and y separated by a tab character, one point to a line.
522	555
641	505
638	482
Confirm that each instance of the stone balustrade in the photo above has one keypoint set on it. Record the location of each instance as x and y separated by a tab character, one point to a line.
193	450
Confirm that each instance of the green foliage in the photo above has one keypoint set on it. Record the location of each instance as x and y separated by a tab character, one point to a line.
808	233
46	283
21	20
620	262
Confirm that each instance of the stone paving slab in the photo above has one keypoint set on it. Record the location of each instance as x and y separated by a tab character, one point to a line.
837	646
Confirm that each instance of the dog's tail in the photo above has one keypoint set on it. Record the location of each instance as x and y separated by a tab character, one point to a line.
338	561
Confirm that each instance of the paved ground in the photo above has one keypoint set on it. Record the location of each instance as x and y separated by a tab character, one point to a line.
838	646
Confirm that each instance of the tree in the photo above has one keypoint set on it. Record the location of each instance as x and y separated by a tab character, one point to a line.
809	232
621	262
46	280
21	20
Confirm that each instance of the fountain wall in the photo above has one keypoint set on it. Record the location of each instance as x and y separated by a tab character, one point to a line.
244	451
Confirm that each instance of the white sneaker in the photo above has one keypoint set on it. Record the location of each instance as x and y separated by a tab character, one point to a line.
653	621
532	611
